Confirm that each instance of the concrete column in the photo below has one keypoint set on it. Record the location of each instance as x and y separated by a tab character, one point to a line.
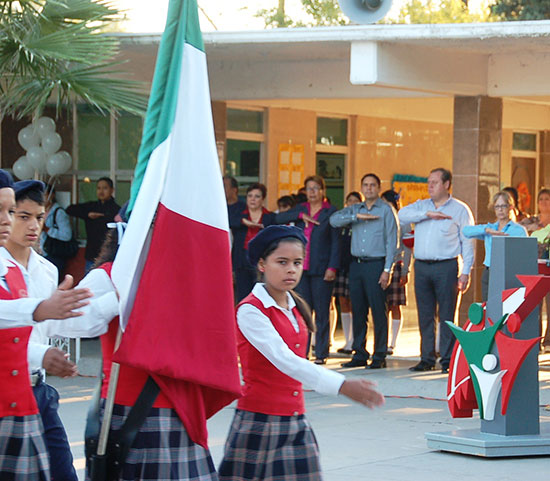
544	158
476	168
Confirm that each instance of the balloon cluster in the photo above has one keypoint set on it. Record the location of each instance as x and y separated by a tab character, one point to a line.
42	143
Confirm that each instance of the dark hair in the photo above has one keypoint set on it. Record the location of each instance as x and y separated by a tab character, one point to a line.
301	304
391	197
513	193
232	181
446	175
299	198
543	191
34	195
286	200
317	179
108	180
355	194
257	186
108	249
374	176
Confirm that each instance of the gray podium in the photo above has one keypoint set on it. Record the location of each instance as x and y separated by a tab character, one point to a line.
518	432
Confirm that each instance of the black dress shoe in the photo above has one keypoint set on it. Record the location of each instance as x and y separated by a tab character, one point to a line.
344	351
444	369
377	364
320	361
422	366
354	363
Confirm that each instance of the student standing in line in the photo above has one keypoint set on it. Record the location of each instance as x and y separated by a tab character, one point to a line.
23	453
270	438
397	294
41	278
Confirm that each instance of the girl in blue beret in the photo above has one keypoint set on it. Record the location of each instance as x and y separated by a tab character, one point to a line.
270	437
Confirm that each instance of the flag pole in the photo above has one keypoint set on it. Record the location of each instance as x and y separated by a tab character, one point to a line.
98	465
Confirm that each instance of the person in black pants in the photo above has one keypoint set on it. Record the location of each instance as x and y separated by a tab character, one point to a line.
322	258
374	241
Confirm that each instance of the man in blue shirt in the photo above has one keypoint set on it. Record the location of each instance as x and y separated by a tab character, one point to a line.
374	242
438	242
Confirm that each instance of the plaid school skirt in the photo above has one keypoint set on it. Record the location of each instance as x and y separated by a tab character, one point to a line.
23	453
396	295
270	448
341	284
162	450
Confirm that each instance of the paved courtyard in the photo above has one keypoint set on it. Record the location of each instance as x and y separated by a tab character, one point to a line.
357	444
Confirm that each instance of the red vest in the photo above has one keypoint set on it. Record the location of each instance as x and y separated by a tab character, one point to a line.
130	380
266	389
16	396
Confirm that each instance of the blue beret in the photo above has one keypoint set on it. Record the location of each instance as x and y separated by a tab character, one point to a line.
5	179
259	243
24	186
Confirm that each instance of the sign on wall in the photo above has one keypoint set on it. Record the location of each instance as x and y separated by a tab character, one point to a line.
410	188
291	168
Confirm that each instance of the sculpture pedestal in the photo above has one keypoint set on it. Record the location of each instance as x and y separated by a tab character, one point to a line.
476	443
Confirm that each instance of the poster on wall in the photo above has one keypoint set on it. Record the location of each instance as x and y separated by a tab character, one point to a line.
410	188
291	169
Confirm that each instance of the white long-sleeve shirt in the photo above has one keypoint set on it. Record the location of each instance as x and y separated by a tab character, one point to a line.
41	279
259	331
440	239
15	312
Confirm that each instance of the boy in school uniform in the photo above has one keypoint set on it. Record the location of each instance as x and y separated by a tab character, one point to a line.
23	454
41	278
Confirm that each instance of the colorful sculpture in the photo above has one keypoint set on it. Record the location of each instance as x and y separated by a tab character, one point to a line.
486	361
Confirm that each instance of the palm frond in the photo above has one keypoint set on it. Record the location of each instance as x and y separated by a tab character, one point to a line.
53	50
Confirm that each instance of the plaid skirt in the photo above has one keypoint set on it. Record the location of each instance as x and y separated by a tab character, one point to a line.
270	448
396	295
23	453
341	284
162	450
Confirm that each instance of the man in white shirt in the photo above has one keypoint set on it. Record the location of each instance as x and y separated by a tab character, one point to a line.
438	242
41	278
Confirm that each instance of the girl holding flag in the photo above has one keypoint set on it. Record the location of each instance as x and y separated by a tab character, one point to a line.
270	438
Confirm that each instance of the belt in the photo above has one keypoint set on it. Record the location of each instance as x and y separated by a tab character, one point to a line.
434	261
368	259
36	378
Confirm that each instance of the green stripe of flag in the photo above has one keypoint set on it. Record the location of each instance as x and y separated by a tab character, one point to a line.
182	26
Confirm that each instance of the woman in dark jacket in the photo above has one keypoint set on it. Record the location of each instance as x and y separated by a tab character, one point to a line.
321	260
245	224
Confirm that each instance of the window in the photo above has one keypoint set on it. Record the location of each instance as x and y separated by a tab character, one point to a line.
524	141
245	121
331	131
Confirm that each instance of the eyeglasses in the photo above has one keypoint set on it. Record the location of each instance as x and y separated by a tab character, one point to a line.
313	189
502	206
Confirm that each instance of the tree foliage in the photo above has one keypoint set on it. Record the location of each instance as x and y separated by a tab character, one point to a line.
320	13
53	50
437	11
521	9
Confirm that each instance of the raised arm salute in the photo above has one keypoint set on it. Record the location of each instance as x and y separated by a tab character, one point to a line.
438	242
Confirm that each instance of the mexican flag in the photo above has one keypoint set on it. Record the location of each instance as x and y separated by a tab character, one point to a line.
173	268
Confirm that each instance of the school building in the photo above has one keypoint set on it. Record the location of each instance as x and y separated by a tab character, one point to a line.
397	100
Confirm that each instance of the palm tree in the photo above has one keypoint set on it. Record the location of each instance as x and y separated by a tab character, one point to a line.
53	51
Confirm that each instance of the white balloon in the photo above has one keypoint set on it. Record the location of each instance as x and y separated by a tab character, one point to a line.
22	169
59	163
44	125
51	142
37	158
28	137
